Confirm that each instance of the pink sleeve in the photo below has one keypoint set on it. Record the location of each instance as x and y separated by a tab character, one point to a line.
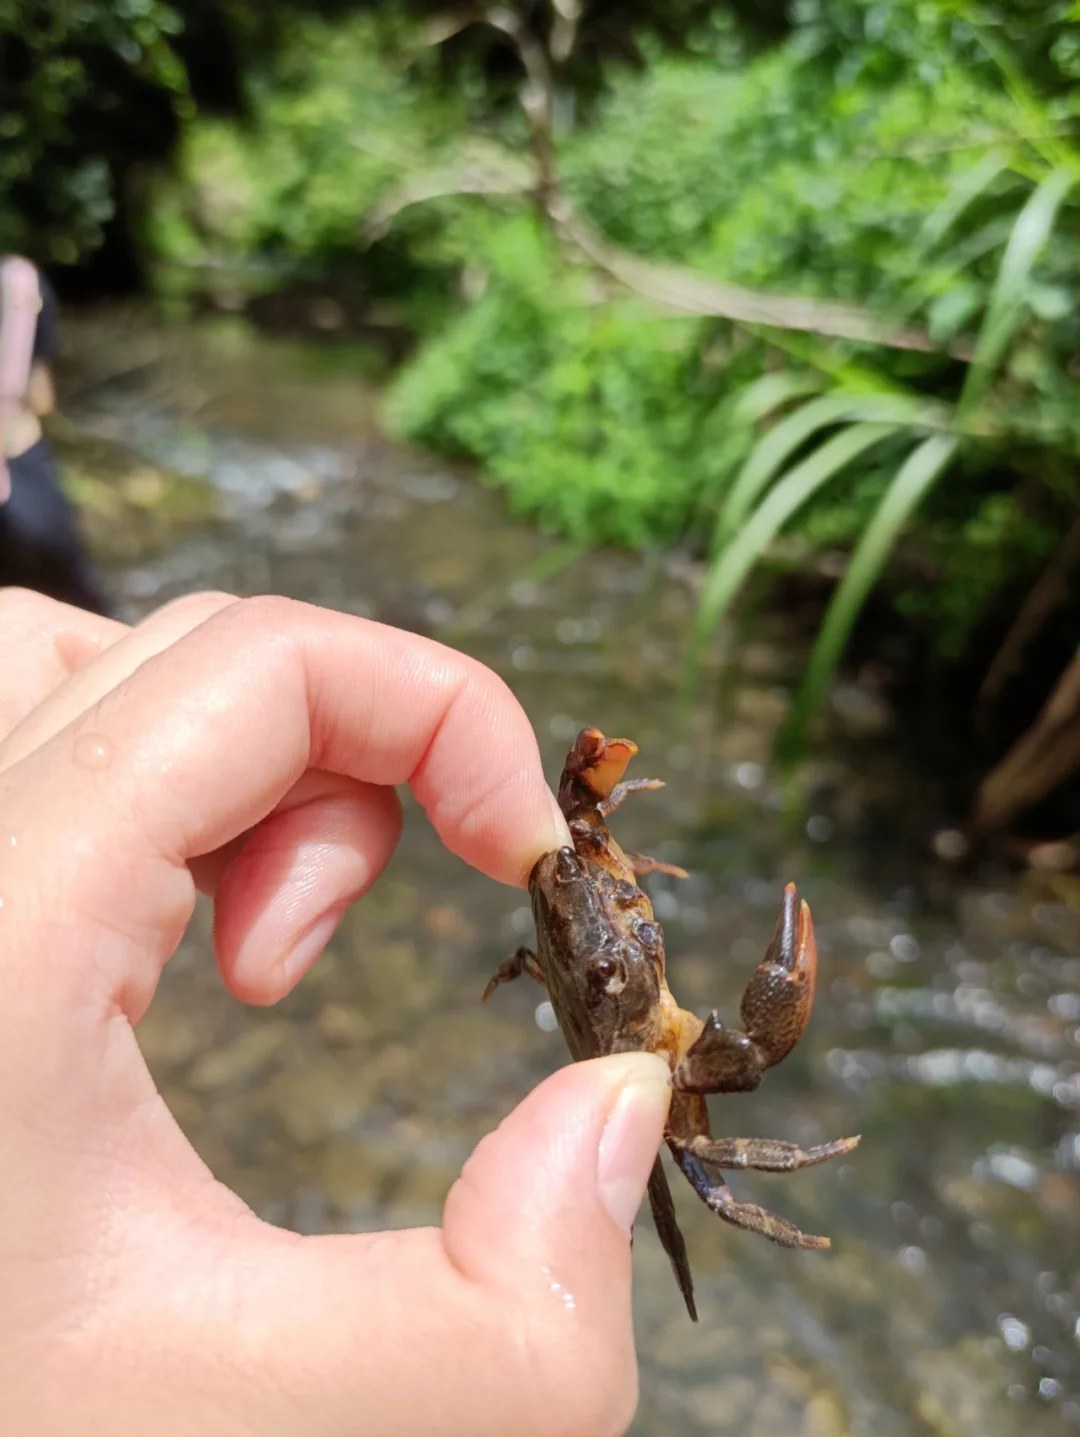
20	300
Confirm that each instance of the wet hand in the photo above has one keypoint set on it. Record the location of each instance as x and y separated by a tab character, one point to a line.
251	748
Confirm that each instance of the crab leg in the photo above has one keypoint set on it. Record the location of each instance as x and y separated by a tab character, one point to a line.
716	1195
523	961
671	1238
641	864
775	1010
767	1155
619	793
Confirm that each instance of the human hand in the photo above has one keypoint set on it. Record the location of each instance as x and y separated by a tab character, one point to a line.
5	481
249	748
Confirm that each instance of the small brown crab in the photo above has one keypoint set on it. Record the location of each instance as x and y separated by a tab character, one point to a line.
600	954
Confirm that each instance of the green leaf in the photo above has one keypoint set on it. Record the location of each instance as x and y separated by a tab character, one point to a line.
970	185
776	448
771	391
911	482
736	420
950	311
734	562
1009	299
1050	301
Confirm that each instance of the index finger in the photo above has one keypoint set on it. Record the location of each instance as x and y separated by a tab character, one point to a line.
203	740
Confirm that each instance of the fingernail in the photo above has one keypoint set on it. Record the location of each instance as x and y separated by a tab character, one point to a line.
632	1135
302	954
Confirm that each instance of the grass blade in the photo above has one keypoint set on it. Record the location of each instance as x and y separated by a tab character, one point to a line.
734	562
774	449
1007	308
772	391
967	189
735	422
910	483
970	185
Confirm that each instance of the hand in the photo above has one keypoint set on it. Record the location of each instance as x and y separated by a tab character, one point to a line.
5	480
250	748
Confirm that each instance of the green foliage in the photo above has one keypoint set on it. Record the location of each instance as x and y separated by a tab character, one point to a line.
742	534
775	176
578	408
62	66
914	159
332	126
922	468
918	186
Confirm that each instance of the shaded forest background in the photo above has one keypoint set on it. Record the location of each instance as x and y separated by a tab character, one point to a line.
792	286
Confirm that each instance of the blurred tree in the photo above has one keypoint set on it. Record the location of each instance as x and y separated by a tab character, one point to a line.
85	89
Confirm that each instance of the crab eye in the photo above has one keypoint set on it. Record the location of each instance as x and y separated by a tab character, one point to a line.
605	968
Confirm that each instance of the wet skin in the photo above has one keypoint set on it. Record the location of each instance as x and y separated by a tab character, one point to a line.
600	954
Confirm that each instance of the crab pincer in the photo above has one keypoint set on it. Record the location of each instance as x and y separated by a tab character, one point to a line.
775	1010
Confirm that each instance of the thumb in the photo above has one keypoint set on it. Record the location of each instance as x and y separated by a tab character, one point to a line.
559	1182
543	1209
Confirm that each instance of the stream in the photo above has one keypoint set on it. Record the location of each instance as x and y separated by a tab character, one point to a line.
947	1023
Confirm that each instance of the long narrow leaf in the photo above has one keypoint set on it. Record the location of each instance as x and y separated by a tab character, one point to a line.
909	485
773	451
1007	308
967	189
772	391
1037	127
790	494
735	422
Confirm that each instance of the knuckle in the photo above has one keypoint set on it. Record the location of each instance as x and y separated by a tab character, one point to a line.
268	613
200	605
267	623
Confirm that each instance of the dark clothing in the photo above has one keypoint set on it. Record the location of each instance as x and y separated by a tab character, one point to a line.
40	545
47	333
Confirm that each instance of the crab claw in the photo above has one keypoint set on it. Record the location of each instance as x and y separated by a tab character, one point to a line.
598	762
776	1005
775	1011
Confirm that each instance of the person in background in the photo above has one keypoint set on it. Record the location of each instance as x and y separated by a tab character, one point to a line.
40	545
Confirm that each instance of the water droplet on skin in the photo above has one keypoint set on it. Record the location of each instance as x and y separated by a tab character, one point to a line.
94	750
566	1298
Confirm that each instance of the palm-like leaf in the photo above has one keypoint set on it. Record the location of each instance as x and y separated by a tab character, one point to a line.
772	451
1008	306
800	484
908	487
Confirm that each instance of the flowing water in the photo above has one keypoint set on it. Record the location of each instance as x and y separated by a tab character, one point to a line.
947	1023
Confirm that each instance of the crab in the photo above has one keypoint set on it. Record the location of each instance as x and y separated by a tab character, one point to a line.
600	955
